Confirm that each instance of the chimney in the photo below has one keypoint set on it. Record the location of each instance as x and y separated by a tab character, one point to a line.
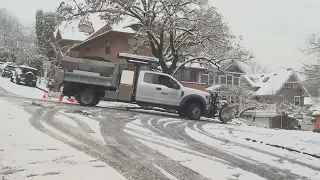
289	69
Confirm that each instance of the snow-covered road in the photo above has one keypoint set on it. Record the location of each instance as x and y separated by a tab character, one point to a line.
51	140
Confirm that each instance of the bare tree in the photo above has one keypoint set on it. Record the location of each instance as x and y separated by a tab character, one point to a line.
17	42
255	67
10	35
174	30
311	69
313	45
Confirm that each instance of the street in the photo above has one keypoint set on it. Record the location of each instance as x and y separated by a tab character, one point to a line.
139	144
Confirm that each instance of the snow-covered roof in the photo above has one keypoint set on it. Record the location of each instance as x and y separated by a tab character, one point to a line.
244	67
212	88
191	65
251	80
270	83
27	67
138	58
301	76
4	65
70	30
307	101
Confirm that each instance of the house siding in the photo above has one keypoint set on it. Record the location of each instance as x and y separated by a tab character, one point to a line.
289	94
97	47
118	44
194	85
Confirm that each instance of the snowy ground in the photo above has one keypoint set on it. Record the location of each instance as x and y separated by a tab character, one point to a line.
26	153
51	140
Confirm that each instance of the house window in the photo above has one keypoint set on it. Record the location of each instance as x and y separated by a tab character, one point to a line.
211	79
290	85
216	80
207	79
204	78
223	79
236	81
297	100
108	47
229	80
266	79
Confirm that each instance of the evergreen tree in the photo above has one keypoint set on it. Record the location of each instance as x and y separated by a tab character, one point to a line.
45	28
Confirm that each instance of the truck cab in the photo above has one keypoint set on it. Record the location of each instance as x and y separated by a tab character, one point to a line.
162	90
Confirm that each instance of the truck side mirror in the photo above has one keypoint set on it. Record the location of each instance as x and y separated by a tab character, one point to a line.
176	86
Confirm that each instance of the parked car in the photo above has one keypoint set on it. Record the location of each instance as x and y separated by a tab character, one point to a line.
7	68
26	75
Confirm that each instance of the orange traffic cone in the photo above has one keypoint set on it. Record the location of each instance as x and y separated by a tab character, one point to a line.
44	96
60	99
72	99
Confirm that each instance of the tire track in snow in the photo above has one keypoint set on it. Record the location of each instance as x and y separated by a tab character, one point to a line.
175	131
144	152
204	132
141	168
107	153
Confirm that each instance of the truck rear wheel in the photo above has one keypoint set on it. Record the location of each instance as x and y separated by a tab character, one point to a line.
87	97
194	112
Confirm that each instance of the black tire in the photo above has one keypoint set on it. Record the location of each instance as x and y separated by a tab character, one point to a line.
87	97
97	102
18	81
27	83
194	111
182	114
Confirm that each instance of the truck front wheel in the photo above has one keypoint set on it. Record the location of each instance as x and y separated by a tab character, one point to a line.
87	97
182	114
194	112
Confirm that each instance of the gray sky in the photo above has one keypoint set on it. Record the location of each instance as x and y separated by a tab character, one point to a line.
274	30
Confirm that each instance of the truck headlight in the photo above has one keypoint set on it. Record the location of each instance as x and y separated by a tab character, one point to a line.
207	99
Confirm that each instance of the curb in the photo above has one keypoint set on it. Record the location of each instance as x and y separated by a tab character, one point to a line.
42	89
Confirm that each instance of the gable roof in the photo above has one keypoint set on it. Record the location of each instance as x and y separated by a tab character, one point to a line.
229	65
69	29
244	67
271	83
121	27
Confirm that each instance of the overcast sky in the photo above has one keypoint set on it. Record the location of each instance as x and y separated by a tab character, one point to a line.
274	30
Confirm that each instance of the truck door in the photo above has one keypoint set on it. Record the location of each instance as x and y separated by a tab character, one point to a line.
167	90
145	88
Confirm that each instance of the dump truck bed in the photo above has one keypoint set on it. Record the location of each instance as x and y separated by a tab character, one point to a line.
104	68
88	71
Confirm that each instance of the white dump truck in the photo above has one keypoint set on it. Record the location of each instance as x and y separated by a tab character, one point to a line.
92	80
